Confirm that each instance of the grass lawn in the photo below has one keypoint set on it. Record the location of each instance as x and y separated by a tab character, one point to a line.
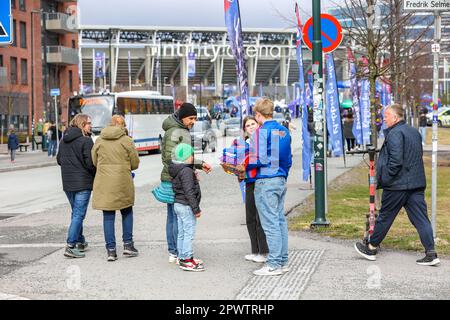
443	136
348	203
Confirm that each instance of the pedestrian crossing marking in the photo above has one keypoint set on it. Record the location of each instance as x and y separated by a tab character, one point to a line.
3	32
290	286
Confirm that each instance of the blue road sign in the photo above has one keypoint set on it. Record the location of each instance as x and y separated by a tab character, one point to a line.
55	92
6	36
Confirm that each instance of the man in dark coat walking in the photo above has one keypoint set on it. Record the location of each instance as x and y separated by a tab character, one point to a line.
401	175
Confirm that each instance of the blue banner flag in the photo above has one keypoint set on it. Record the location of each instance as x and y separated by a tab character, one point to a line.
357	128
365	110
306	143
332	109
233	24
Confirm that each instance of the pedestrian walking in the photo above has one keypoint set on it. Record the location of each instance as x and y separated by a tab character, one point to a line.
270	154
176	128
115	156
13	144
77	172
53	134
423	124
259	248
187	204
401	175
348	132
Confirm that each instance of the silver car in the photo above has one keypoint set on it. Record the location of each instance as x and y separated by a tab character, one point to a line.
203	136
232	127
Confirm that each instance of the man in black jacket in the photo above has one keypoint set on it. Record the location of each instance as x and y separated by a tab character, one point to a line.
401	175
77	171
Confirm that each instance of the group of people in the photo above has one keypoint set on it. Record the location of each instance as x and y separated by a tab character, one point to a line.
105	168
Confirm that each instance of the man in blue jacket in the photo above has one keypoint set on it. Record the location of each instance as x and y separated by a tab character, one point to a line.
401	175
270	154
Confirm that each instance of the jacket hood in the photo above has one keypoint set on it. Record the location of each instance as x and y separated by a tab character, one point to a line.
176	167
112	133
173	122
72	134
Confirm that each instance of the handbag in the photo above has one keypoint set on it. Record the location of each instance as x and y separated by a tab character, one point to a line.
164	193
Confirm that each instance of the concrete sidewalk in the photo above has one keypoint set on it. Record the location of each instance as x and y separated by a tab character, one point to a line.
26	160
321	268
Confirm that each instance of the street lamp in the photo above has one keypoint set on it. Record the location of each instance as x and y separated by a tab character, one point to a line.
33	141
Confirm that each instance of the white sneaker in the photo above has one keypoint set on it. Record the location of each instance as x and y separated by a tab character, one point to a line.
259	258
172	258
250	257
285	269
268	271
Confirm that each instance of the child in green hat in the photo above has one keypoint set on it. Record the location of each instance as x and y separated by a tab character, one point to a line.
187	204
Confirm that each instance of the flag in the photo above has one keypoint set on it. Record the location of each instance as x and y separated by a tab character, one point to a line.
306	143
365	110
233	24
332	108
357	129
191	64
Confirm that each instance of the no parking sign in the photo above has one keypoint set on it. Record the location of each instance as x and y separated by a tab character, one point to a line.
331	33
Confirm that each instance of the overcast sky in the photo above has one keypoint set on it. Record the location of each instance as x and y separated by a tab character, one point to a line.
200	13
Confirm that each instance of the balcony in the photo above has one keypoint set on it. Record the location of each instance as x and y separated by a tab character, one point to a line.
62	55
60	23
3	76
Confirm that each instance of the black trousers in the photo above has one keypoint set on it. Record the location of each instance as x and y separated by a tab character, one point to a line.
414	203
255	230
350	143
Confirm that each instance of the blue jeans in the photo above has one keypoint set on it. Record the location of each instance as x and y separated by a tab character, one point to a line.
51	148
79	202
423	133
171	229
186	230
109	218
269	199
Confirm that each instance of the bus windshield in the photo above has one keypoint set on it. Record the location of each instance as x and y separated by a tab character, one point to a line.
98	108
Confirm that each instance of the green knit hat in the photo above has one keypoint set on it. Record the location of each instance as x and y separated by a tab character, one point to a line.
183	151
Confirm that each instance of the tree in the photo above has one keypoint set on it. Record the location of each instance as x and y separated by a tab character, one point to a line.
379	28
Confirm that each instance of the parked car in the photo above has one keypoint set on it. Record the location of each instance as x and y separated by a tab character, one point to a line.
232	127
203	136
442	112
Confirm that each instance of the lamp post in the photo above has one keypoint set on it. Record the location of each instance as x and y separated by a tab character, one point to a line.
33	120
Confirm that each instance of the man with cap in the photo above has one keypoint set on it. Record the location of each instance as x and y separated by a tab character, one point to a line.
176	128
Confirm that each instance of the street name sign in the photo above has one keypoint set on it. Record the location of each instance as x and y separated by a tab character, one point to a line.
55	92
426	5
331	33
6	36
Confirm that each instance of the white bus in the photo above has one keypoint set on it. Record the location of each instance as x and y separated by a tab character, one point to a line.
144	113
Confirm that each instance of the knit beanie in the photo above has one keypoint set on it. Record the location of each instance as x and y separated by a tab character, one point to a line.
187	110
183	151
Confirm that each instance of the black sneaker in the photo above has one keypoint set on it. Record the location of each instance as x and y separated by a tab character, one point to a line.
81	246
364	251
430	259
129	250
112	255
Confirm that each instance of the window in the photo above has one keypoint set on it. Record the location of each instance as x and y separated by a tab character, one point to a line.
71	81
13	71
1	60
23	35
22	5
73	44
14	44
24	71
13	4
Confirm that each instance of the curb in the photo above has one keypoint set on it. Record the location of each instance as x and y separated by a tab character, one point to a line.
27	167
